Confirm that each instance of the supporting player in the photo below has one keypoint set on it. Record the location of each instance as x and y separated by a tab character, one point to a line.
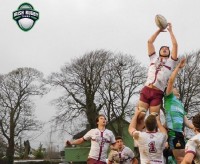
151	143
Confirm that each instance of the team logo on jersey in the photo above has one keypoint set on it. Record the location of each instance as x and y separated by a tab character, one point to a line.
25	16
101	140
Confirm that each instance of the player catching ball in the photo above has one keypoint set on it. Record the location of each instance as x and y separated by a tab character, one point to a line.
161	67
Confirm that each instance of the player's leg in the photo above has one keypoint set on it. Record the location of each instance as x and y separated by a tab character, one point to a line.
144	101
156	101
179	146
143	107
154	109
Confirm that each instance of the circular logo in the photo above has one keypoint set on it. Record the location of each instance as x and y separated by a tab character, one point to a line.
25	16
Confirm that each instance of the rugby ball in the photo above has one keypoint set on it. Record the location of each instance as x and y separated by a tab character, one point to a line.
161	21
26	23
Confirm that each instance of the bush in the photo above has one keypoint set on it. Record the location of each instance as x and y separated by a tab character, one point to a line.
39	154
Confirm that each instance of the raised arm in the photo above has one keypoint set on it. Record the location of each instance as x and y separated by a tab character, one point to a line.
188	158
174	52
151	48
188	123
172	78
133	123
160	126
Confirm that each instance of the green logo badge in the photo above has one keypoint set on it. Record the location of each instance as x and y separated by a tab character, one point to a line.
25	16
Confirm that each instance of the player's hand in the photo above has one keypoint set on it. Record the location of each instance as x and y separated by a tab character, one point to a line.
68	144
139	110
114	147
169	28
157	117
162	30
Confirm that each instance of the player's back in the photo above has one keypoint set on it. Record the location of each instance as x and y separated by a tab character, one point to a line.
151	146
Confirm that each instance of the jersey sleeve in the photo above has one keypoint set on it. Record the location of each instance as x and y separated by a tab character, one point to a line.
190	147
87	136
136	134
112	138
153	57
172	63
131	154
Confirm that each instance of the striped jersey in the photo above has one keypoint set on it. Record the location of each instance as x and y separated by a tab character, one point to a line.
174	112
151	146
159	71
100	142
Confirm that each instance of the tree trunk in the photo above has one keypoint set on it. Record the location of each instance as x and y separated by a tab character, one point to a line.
120	127
11	142
91	115
10	151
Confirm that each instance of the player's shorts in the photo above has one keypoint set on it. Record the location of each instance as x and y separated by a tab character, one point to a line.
94	161
176	140
151	96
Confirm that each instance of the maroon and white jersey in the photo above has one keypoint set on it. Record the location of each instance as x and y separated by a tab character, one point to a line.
159	71
151	146
193	146
100	142
121	157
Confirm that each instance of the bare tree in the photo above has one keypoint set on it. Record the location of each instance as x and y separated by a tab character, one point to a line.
97	82
2	146
16	106
120	87
188	83
80	81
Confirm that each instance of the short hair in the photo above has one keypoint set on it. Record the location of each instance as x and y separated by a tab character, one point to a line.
196	122
150	122
118	138
162	47
100	115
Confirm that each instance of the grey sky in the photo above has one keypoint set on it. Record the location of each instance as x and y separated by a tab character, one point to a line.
70	28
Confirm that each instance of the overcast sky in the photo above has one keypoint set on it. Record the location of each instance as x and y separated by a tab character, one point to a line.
70	28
